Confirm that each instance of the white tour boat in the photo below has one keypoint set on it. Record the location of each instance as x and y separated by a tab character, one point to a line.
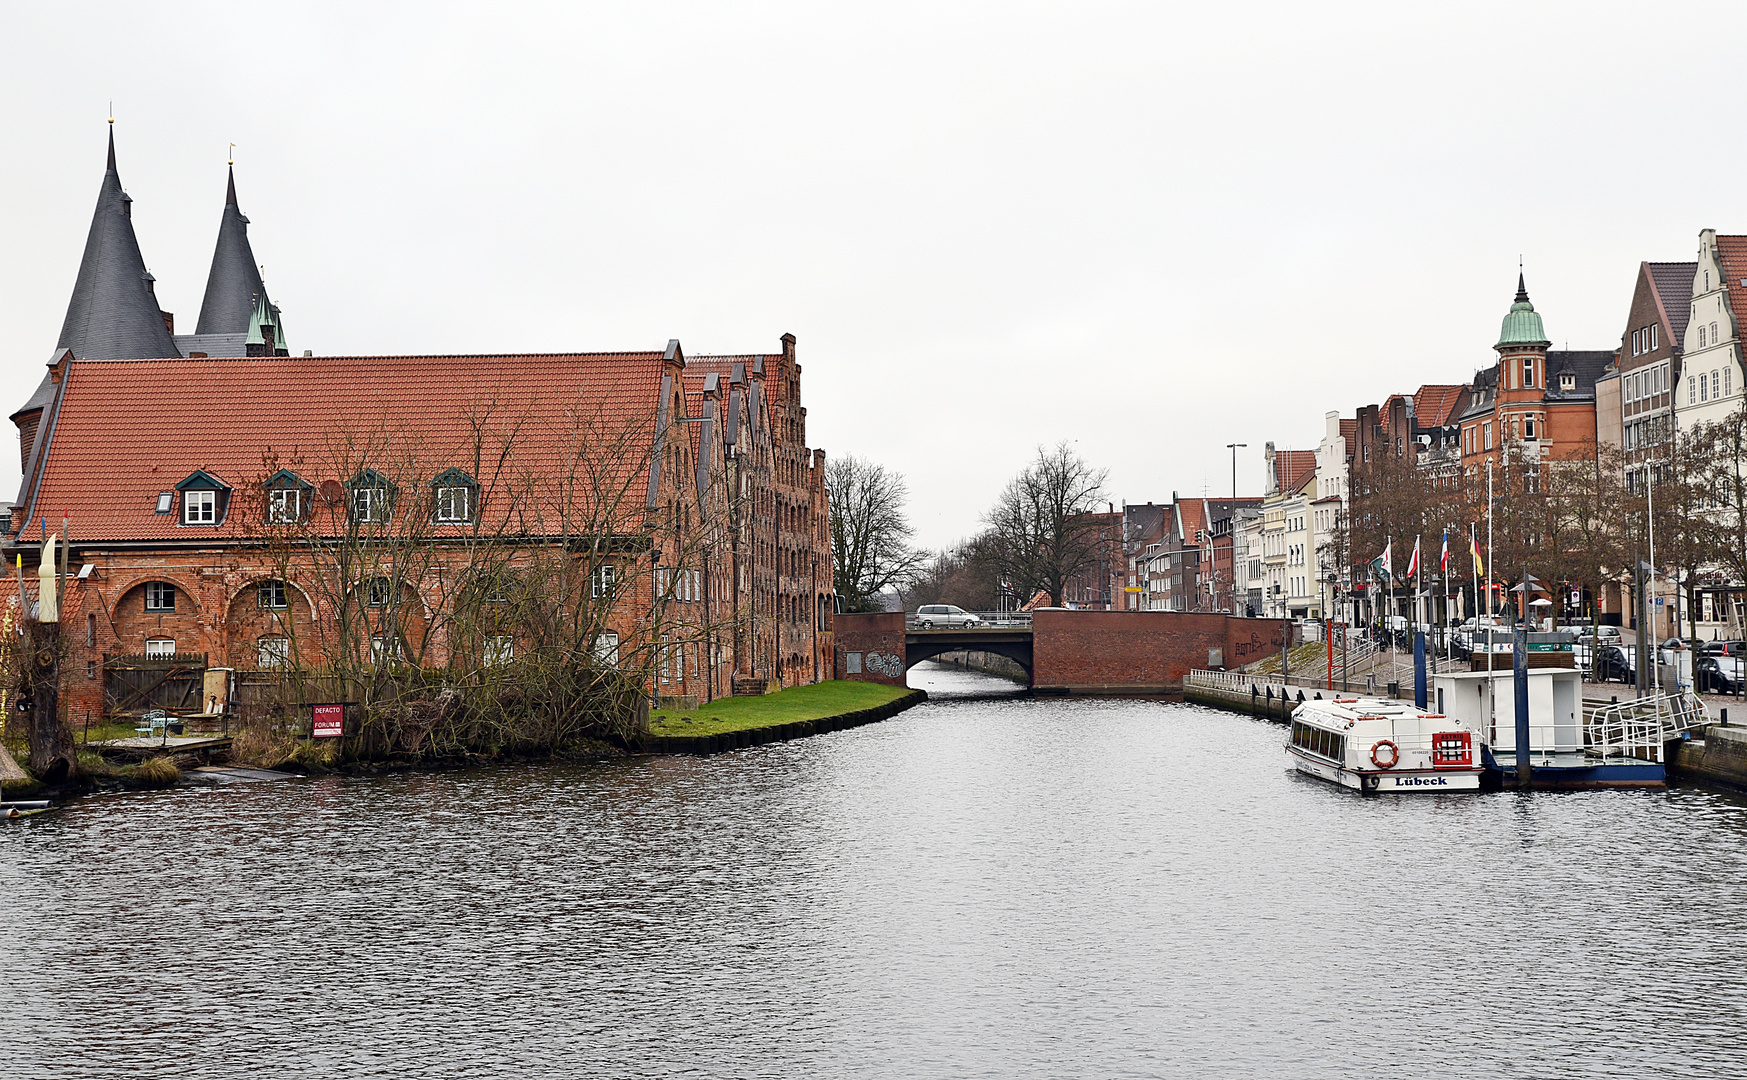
1378	745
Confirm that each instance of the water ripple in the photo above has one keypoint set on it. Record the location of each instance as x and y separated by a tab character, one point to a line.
979	887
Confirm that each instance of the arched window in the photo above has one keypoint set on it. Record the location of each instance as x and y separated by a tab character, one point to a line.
379	592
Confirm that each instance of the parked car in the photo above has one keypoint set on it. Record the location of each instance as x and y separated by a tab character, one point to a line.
1725	648
1614	663
1719	674
929	616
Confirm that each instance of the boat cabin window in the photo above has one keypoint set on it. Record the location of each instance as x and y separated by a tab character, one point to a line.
1319	741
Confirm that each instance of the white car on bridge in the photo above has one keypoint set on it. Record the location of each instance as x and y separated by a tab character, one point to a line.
930	616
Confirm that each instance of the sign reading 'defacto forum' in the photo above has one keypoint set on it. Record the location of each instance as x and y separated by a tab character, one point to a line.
328	722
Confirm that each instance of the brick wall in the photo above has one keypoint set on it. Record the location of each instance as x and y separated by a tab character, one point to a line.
873	643
1140	650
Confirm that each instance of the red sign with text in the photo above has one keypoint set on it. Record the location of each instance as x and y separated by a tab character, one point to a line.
329	722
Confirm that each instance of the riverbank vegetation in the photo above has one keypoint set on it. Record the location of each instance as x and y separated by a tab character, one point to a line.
813	702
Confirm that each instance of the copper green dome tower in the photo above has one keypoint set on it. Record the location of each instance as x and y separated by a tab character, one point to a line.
1522	323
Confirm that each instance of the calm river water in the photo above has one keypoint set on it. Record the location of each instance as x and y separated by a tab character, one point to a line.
979	887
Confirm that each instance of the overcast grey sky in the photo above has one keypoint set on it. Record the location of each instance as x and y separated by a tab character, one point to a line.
1152	229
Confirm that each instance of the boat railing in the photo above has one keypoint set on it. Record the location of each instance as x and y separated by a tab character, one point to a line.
1642	727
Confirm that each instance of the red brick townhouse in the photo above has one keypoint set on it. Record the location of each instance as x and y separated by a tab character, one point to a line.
230	501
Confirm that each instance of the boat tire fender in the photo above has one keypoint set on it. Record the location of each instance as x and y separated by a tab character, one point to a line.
1385	754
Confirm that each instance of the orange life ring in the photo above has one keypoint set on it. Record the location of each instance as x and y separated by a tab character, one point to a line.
1377	756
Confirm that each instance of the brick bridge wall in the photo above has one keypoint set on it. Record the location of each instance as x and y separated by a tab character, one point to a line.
1085	651
870	647
1140	651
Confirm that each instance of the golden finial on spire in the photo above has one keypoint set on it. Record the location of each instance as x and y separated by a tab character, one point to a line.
233	155
112	112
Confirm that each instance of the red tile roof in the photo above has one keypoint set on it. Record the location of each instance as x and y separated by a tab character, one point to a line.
129	429
1732	253
1433	405
1292	467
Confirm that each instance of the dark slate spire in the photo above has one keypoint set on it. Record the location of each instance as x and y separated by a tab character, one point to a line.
1522	291
113	314
234	282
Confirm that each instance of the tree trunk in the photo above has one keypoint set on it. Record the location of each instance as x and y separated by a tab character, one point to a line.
51	741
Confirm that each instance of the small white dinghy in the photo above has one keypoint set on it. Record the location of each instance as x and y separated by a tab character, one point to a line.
1378	745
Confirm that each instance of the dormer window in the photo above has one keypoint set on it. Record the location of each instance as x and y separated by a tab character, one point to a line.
1567	381
204	498
454	497
200	508
287	498
371	497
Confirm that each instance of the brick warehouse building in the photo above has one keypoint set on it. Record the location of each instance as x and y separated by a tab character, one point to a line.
209	478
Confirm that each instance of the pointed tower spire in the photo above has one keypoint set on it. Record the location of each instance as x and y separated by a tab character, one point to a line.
113	314
1522	290
233	285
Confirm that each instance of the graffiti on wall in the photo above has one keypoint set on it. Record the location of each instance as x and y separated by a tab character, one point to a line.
890	666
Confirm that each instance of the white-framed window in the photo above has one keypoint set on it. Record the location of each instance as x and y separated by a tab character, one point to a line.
455	504
1528	371
605	580
1487	426
272	651
378	592
1728	381
499	649
1704	387
1529	428
1691	391
384	649
200	507
1653	337
369	504
160	596
606	648
1714	337
1716	384
1701	335
1636	336
270	596
160	646
284	506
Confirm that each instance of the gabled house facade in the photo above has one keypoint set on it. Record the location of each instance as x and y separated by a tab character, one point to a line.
682	494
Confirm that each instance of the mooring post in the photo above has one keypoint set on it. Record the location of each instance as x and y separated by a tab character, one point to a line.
1520	683
1419	669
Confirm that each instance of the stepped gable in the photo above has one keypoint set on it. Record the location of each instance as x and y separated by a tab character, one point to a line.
126	430
234	281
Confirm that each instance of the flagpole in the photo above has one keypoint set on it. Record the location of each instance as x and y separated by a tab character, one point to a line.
1388	630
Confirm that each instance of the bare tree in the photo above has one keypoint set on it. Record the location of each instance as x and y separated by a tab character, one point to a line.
1041	531
870	534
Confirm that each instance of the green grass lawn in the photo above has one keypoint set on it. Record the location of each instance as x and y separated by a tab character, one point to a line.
795	703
